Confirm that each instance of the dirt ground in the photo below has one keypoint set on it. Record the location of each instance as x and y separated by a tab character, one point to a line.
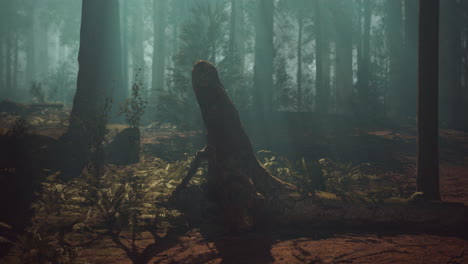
391	151
329	245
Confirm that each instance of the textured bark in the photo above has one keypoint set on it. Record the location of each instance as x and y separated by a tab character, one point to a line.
234	173
428	150
99	79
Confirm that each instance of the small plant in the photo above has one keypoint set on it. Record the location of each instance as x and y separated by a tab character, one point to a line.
133	108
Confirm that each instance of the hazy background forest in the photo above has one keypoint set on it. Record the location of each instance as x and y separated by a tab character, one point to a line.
116	148
355	58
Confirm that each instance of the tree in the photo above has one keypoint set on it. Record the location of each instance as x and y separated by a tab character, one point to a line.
451	53
364	60
343	21
159	47
99	78
322	58
395	40
428	150
264	54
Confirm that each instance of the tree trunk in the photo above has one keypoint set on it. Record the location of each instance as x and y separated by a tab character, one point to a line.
344	57
236	39
410	67
428	151
319	100
364	62
159	47
300	22
264	54
8	54
124	41
450	63
30	46
234	173
14	83
99	78
395	40
137	43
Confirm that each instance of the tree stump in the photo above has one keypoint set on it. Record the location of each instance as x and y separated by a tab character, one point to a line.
235	177
242	186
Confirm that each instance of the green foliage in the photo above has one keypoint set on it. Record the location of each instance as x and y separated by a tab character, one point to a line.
344	179
133	108
73	215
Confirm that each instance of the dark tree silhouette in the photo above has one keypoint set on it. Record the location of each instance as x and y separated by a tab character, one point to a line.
428	150
99	79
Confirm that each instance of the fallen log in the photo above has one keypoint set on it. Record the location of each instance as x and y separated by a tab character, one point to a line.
241	185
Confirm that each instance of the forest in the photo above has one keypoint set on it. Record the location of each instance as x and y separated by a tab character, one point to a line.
233	131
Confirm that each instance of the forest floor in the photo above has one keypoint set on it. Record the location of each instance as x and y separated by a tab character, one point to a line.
391	154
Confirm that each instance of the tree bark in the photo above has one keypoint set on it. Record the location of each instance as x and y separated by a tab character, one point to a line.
264	54
234	173
428	150
159	53
99	80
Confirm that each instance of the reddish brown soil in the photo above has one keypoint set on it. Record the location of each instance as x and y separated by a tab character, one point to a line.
327	246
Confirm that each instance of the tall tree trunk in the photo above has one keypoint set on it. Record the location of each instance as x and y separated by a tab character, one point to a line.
14	83
428	150
450	62
326	69
30	45
124	39
159	51
395	40
99	78
137	43
364	62
320	95
344	57
237	39
264	54
2	64
300	21
8	54
411	57
234	173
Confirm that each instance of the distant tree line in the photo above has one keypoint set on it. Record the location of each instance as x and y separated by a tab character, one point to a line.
349	57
